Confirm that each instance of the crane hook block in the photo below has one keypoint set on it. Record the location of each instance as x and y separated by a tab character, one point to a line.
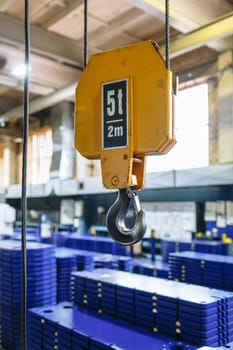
124	111
116	215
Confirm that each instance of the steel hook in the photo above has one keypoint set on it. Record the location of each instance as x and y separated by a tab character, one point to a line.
115	219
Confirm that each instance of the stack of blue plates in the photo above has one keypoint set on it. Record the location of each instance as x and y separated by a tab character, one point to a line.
149	268
125	295
125	263
86	289
85	260
213	272
155	307
186	270
162	269
30	237
211	247
93	293
35	331
194	314
171	246
97	244
145	305
67	328
227	271
198	315
210	270
80	339
66	263
217	317
145	268
108	282
78	289
107	261
41	284
175	313
223	320
64	337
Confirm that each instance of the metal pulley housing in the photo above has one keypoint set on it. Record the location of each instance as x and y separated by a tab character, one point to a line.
125	111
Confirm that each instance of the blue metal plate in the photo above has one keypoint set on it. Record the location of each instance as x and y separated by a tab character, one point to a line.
190	317
213	342
130	339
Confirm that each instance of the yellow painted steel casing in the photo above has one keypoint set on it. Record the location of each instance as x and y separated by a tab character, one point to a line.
125	111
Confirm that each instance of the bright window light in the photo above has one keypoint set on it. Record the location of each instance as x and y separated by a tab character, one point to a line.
20	70
192	133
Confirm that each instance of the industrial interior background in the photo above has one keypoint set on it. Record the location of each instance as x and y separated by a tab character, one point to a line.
69	196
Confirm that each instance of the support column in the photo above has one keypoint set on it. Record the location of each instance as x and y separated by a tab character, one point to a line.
225	103
213	120
221	111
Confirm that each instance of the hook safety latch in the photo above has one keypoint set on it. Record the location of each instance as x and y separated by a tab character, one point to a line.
115	219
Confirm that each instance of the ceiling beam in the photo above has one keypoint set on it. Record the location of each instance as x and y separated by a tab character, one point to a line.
43	42
5	4
112	28
156	8
43	102
219	28
71	6
14	83
178	19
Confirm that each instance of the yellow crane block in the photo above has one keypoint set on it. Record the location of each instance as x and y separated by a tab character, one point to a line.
125	111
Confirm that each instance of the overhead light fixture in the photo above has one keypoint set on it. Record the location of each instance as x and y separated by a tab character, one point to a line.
2	122
20	70
18	140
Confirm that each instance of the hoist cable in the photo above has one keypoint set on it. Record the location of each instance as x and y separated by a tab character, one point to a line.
24	181
85	59
167	28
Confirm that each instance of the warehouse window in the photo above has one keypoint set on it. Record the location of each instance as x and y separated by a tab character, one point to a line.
39	155
7	162
192	134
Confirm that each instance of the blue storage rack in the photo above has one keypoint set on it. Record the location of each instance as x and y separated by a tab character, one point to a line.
41	285
195	314
67	328
211	247
210	270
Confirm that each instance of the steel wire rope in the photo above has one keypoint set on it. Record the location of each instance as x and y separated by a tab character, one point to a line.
23	334
85	41
167	29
